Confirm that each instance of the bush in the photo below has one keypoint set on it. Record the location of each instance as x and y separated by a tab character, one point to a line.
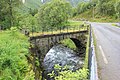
13	63
65	74
54	14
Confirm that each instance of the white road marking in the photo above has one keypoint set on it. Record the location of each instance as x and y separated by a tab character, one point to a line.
104	58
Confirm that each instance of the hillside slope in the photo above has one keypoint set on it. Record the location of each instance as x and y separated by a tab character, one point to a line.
73	2
33	4
29	4
88	15
76	2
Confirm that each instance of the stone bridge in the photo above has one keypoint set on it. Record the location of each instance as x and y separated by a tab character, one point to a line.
40	45
43	43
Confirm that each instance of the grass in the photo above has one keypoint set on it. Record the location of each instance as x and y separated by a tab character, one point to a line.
69	43
13	63
74	23
87	51
115	25
105	19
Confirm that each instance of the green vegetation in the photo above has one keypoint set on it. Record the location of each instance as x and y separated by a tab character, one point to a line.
7	12
13	51
99	10
87	51
54	14
50	17
72	2
74	23
65	74
69	43
33	4
116	25
71	26
95	43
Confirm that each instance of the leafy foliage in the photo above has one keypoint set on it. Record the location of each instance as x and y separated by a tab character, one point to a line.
28	22
117	9
13	63
99	10
65	74
33	4
7	12
54	14
82	7
106	7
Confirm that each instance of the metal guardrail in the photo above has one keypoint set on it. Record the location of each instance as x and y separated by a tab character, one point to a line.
92	63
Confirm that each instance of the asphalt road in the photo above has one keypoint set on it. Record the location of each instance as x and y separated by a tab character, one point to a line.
108	50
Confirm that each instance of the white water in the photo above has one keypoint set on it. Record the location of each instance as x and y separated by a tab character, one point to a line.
63	56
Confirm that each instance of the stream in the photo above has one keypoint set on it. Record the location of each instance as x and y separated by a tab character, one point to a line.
63	56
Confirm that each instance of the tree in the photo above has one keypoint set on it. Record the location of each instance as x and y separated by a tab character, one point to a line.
117	9
28	22
54	14
105	7
82	7
7	12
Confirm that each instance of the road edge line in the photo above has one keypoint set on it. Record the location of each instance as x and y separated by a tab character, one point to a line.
104	57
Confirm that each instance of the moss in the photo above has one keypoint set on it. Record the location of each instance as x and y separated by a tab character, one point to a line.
87	51
69	43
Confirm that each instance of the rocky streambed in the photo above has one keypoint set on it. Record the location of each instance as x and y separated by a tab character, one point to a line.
63	56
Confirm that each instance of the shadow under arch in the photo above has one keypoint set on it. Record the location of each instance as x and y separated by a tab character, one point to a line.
77	42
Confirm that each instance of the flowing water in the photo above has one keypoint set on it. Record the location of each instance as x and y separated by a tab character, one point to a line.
61	55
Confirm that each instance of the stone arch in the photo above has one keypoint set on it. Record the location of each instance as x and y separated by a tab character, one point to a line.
77	42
